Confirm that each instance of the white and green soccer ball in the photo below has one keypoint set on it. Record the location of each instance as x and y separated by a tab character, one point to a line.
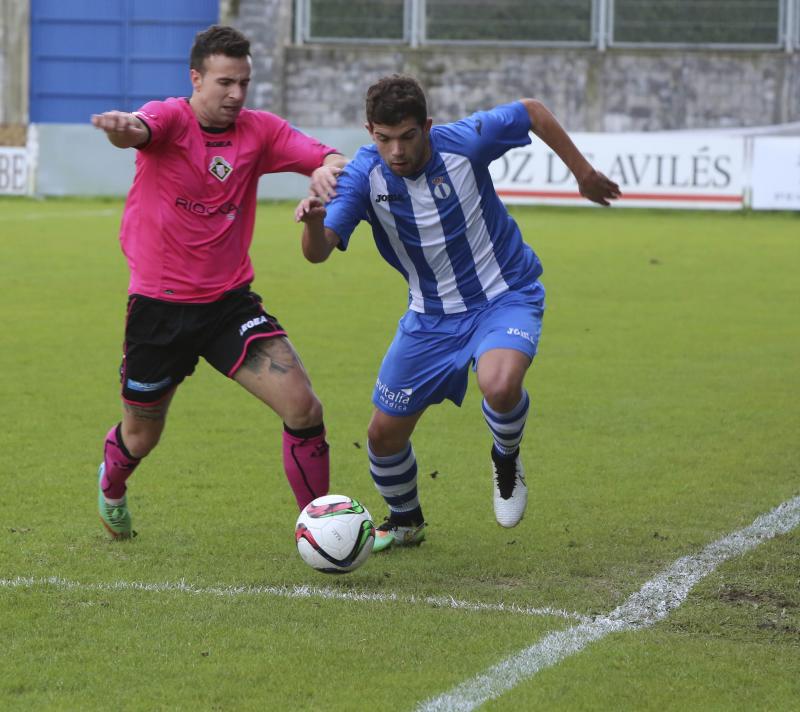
334	534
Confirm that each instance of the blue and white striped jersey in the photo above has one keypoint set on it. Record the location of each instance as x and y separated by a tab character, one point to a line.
445	230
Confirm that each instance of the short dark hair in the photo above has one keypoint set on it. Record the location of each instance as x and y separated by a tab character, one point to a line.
217	39
393	99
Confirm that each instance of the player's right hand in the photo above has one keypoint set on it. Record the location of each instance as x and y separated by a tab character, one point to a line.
116	122
122	129
310	209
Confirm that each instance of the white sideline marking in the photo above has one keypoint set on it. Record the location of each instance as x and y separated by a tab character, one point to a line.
286	592
652	603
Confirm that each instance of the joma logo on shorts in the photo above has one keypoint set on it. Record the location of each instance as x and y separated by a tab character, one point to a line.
250	324
512	331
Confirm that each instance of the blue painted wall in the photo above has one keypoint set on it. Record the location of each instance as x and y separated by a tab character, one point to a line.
89	56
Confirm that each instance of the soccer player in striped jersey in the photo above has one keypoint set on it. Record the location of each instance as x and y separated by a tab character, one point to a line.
475	298
186	233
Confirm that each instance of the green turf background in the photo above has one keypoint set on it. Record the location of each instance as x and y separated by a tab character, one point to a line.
665	415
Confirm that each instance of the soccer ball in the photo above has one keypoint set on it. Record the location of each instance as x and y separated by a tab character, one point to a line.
334	534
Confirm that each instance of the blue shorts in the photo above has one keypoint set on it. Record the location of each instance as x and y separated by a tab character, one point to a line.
430	356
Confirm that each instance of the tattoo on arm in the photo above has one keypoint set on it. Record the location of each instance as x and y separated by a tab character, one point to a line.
276	354
156	412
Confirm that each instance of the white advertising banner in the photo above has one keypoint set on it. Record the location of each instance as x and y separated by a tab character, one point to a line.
776	173
14	171
655	170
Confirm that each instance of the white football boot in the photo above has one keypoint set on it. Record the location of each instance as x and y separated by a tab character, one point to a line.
510	490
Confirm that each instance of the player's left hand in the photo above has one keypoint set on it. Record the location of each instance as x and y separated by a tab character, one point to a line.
597	188
309	209
323	182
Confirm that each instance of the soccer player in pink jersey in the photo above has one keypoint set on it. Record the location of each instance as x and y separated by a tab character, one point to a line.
186	231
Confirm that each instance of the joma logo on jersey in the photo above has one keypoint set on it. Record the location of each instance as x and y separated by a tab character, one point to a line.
387	197
250	324
220	168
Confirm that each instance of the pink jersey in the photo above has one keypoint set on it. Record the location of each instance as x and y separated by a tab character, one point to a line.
189	216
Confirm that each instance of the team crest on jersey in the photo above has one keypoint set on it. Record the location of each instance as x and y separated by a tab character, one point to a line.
440	189
220	168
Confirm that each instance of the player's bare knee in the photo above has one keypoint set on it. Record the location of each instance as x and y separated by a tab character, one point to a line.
140	443
142	427
502	394
304	412
375	436
383	441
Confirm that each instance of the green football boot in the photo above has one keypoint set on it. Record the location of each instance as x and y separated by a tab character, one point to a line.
115	517
390	534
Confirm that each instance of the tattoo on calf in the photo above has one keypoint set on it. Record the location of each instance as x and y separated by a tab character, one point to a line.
156	412
276	353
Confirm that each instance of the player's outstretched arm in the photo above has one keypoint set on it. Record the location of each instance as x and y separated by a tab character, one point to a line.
318	241
122	129
591	183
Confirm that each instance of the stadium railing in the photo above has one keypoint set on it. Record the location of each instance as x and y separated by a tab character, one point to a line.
678	24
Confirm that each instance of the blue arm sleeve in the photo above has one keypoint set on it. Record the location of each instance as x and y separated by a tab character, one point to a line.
349	206
487	135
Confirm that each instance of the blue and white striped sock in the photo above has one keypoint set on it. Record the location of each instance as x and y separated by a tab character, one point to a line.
395	477
507	428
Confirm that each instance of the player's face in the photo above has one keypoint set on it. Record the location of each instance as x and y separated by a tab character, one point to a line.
220	91
404	147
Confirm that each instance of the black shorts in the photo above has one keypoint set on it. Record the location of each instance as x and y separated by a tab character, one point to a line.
164	340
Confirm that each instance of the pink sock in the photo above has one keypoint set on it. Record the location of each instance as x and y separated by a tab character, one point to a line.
307	463
119	465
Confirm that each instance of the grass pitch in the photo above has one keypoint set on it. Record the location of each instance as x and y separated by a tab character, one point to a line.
665	415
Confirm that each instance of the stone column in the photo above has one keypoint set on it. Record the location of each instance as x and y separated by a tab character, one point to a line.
14	71
269	26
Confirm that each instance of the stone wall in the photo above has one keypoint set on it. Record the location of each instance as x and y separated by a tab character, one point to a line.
616	90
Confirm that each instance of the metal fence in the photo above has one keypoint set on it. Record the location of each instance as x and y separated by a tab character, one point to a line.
734	23
541	21
355	20
721	24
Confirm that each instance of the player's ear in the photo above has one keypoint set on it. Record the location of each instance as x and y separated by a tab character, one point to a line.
196	77
368	127
428	124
